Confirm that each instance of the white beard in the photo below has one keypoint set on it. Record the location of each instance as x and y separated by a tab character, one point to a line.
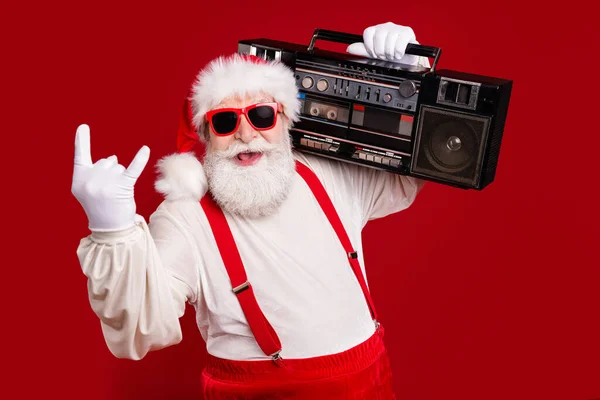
256	190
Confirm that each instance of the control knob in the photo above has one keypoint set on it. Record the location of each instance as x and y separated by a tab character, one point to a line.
307	82
407	88
322	85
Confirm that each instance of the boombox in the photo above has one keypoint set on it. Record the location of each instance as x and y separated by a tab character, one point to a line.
439	125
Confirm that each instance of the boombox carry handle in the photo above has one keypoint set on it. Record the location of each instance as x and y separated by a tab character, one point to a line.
349	38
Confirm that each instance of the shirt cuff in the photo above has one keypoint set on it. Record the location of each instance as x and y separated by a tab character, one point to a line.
120	235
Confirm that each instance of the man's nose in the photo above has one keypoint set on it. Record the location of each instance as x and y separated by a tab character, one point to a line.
245	132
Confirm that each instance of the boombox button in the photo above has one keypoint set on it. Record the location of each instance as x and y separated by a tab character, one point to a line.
307	82
394	162
387	98
377	159
362	156
333	149
369	157
322	85
385	160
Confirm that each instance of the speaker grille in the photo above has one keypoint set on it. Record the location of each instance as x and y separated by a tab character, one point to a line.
450	146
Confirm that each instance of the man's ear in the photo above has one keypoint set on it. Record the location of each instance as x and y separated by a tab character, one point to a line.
285	122
206	132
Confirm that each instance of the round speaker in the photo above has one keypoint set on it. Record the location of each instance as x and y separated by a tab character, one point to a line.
452	146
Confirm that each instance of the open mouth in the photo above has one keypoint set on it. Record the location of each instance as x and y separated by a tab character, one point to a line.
248	158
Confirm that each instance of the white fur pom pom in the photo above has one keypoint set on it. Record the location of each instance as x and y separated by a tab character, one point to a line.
181	176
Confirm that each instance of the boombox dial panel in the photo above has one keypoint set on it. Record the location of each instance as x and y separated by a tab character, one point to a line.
402	97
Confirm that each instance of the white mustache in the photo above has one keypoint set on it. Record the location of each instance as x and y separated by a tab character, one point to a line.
259	145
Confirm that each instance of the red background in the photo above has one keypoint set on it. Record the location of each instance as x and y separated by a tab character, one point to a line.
485	295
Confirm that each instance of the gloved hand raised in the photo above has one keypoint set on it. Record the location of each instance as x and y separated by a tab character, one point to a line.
105	188
386	42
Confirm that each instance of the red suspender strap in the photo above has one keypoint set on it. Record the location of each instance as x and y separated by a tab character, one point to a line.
261	329
325	202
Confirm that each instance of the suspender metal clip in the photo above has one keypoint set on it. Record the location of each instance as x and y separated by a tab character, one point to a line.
353	255
276	357
241	288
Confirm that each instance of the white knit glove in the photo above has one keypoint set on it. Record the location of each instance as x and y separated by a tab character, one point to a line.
387	42
105	188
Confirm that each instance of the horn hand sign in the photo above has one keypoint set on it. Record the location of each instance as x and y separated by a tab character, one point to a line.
105	188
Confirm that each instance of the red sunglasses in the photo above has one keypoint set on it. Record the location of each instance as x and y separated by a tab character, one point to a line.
225	121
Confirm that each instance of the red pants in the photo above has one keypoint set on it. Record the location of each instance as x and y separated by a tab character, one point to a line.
360	373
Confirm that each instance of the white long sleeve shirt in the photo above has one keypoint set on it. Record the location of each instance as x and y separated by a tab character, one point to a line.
139	280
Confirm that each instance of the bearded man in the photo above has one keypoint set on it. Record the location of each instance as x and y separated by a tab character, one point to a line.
263	241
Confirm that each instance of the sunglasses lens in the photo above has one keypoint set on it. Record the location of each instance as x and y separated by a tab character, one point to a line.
224	122
262	116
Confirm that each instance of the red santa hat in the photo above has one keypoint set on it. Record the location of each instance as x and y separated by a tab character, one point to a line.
234	75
